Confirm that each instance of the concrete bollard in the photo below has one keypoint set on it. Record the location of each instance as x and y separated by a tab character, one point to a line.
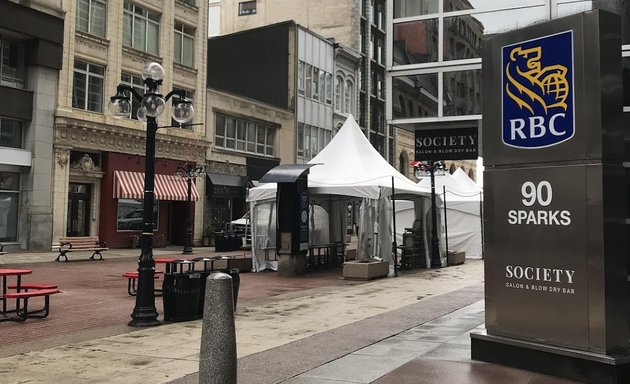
217	358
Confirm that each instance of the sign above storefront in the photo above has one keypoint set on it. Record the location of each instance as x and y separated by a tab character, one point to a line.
446	144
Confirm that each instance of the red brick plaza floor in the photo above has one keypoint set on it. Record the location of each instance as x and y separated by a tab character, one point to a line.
94	301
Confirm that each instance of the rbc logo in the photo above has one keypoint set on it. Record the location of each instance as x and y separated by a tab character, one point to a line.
537	86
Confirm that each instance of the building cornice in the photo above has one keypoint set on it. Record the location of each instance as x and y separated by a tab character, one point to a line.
73	133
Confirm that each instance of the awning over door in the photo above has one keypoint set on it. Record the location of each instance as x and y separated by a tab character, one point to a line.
229	180
130	185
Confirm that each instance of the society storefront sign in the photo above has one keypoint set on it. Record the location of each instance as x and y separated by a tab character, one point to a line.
446	144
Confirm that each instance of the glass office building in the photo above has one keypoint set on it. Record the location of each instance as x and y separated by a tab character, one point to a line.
434	55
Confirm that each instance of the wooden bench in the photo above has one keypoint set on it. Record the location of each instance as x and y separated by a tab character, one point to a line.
131	282
85	243
22	310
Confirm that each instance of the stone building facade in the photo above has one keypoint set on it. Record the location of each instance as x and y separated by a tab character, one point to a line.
108	43
31	40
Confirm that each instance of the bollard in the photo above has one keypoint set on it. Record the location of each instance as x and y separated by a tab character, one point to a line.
217	358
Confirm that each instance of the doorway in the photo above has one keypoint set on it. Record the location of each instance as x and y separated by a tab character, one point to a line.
79	202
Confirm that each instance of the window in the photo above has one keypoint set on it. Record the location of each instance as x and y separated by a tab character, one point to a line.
91	17
10	133
329	88
301	77
130	213
322	86
300	140
379	16
347	97
138	84
9	194
311	140
380	57
184	44
87	90
141	28
244	135
338	86
189	96
12	65
308	81
316	83
247	8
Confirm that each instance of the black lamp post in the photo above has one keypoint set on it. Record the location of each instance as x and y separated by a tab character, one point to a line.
433	167
152	105
189	172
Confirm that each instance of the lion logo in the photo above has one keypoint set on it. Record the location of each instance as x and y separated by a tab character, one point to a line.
529	81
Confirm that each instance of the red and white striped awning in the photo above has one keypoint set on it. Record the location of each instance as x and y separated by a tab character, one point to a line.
130	185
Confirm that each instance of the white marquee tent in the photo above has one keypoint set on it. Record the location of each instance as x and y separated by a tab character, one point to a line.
348	169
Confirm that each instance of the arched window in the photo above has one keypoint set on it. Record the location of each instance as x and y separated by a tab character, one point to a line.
471	174
347	97
337	128
452	168
338	86
410	108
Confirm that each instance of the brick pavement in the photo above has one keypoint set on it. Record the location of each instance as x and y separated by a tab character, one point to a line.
94	300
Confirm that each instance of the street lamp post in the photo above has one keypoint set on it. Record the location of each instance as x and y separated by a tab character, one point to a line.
152	105
189	172
432	167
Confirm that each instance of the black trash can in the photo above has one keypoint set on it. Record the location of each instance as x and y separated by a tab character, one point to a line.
202	292
180	293
236	281
220	242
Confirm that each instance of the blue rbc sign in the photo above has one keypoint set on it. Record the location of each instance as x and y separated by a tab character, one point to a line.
537	88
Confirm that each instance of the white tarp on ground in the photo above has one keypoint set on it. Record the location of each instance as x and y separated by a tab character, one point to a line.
348	169
463	213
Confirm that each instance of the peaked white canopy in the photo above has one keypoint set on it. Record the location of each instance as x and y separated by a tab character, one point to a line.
349	166
463	179
455	191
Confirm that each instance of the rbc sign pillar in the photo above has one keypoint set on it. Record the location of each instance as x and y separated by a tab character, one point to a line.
555	201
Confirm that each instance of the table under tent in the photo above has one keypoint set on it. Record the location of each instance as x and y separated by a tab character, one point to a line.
463	226
346	171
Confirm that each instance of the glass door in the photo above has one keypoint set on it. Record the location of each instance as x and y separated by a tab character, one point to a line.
79	202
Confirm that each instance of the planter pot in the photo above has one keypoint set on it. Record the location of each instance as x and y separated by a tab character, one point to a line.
365	270
456	258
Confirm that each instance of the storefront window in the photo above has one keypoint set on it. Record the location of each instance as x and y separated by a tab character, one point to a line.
130	213
9	194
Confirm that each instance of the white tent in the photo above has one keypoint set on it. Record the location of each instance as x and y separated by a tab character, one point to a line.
349	166
462	178
463	213
348	169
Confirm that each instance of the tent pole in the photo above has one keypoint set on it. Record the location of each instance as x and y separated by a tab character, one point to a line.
481	219
445	222
394	247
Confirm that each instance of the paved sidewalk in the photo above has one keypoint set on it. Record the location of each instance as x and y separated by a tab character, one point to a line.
331	331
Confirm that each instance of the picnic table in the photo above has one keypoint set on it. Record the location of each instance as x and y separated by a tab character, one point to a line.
5	273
